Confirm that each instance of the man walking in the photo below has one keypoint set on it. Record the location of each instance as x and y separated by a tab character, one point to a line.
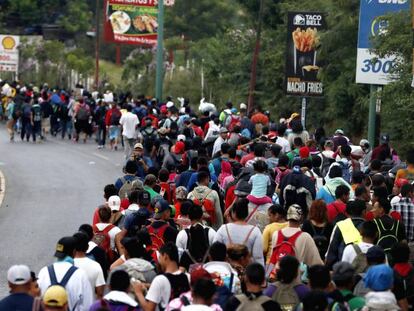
129	123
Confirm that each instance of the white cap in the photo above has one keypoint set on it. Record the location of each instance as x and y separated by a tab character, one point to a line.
181	137
243	106
114	203
170	104
18	275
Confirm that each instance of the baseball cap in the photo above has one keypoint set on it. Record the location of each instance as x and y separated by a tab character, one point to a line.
375	254
385	138
181	193
243	106
144	198
339	132
164	109
160	207
379	278
294	115
223	130
342	271
19	275
65	247
55	296
294	212
363	143
138	146
114	203
170	104
181	137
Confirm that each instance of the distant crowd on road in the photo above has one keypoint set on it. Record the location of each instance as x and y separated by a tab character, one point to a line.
223	210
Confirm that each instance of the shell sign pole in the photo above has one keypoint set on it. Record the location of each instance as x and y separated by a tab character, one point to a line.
131	22
9	53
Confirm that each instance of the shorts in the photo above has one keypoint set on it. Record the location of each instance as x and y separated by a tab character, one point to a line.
113	132
259	201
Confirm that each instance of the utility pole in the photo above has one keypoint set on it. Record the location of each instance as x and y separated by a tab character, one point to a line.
97	35
372	114
253	76
160	52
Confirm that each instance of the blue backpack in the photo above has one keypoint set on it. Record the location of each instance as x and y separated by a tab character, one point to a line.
346	173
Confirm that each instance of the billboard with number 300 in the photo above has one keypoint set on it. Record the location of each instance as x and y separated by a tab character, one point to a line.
370	68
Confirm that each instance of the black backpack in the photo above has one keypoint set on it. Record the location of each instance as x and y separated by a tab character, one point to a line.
149	136
321	241
406	284
179	284
296	193
387	237
173	129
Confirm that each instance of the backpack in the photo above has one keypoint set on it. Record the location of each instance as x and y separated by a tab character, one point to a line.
249	304
115	117
106	306
179	284
233	121
37	113
168	191
340	302
63	112
360	261
409	176
295	193
128	186
407	284
326	165
197	263
173	129
284	246
346	173
286	296
231	245
321	241
280	174
208	207
157	236
64	281
103	240
138	268
83	113
387	237
149	138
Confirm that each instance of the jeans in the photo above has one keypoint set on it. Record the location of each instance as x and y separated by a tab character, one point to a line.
102	135
129	146
66	127
37	129
26	129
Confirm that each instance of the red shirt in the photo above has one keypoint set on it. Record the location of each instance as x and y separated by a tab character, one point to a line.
247	158
334	209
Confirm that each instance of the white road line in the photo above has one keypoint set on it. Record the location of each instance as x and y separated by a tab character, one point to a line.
101	156
2	187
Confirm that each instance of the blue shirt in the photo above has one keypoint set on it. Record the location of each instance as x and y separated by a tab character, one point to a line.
17	302
119	183
259	184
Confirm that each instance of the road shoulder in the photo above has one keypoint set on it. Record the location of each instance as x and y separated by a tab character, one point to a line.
2	187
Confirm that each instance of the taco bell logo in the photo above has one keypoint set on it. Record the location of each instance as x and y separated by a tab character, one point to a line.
299	20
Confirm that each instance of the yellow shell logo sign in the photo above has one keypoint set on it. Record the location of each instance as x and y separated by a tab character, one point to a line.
8	43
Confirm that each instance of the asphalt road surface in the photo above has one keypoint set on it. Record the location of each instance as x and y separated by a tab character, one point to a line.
52	188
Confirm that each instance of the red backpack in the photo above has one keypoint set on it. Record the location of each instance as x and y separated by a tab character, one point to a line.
208	207
168	191
157	236
103	240
284	247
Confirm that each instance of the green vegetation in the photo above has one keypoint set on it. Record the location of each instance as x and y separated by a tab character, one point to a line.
216	38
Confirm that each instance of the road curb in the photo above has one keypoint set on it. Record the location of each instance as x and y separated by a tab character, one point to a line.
2	187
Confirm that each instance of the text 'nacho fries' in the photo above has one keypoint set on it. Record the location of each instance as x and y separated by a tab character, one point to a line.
305	40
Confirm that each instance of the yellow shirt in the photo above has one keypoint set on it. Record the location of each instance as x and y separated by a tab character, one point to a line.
267	237
403	173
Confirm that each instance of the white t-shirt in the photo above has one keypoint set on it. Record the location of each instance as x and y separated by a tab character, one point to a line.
79	289
160	290
112	233
349	253
129	122
284	143
92	269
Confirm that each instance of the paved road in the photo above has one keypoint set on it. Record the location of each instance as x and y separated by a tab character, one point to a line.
52	188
